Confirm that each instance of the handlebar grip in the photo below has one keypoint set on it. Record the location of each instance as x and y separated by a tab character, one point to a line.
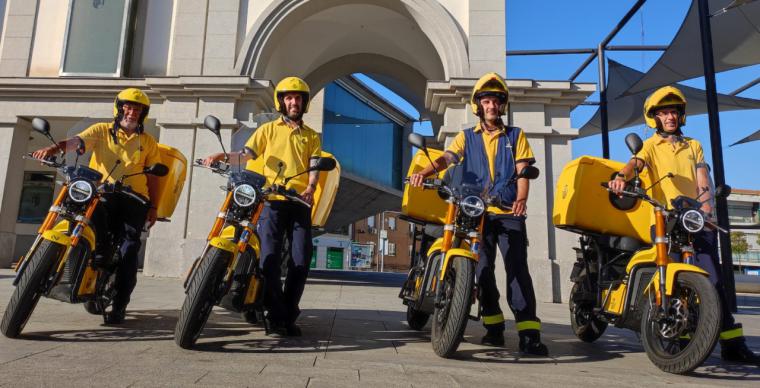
606	185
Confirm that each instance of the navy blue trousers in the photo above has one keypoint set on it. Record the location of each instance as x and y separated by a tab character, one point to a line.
706	257
509	234
281	219
120	217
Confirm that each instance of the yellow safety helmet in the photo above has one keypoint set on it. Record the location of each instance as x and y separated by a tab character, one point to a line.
490	84
667	96
289	85
133	95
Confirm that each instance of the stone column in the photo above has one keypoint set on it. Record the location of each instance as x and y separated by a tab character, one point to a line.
221	37
188	37
13	144
16	47
487	37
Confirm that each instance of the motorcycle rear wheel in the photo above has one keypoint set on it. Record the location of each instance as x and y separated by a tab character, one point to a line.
678	345
416	319
201	298
586	326
451	314
28	292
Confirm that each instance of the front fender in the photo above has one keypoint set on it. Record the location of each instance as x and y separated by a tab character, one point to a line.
59	234
671	275
229	234
456	252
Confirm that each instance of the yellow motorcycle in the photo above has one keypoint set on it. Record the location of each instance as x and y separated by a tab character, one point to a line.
442	284
227	273
625	276
59	264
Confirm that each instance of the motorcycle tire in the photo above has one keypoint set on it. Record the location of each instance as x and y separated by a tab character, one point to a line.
92	307
28	292
701	340
201	298
586	326
450	318
416	319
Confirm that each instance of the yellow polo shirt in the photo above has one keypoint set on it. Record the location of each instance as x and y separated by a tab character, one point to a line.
522	152
136	151
681	158
276	143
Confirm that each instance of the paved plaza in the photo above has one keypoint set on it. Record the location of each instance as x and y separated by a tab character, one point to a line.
354	335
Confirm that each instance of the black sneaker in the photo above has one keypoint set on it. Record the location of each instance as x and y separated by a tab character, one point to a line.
115	316
493	338
293	330
736	350
531	345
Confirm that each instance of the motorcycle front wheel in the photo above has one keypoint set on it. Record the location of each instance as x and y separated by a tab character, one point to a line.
453	309
201	297
680	340
29	289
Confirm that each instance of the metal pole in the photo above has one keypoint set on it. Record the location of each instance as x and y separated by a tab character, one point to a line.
717	151
603	103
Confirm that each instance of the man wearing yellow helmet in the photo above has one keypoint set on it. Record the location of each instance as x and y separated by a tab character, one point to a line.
120	148
669	151
490	155
293	147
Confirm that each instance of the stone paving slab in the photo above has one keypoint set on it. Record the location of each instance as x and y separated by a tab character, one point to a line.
354	335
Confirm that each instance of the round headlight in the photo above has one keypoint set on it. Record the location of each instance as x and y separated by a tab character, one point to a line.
693	221
244	195
81	191
472	206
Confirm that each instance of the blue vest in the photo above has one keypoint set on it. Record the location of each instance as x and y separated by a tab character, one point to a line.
475	164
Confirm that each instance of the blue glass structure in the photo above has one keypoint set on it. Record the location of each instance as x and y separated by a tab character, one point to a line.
366	142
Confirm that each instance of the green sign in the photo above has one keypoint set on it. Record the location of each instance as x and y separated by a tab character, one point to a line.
334	258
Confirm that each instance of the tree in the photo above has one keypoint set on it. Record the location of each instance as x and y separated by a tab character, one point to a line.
739	243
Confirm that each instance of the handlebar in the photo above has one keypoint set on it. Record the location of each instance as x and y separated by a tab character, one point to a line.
289	194
52	162
216	166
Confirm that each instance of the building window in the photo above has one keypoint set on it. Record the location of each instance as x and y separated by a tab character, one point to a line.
391	223
36	197
391	249
371	221
96	37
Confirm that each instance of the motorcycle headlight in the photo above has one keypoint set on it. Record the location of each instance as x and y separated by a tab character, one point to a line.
244	195
81	191
693	221
472	206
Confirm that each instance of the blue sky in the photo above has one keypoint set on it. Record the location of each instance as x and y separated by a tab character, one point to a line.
544	25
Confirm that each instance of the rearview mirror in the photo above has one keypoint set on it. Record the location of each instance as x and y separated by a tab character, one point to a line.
529	172
325	164
157	169
417	140
634	143
213	124
41	125
722	191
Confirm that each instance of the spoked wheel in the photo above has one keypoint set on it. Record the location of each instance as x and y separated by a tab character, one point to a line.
200	299
586	325
680	339
453	308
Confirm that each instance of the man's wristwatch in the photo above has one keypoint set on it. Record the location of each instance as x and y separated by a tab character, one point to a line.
311	186
620	175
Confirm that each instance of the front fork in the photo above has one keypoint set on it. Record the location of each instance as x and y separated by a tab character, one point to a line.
662	260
